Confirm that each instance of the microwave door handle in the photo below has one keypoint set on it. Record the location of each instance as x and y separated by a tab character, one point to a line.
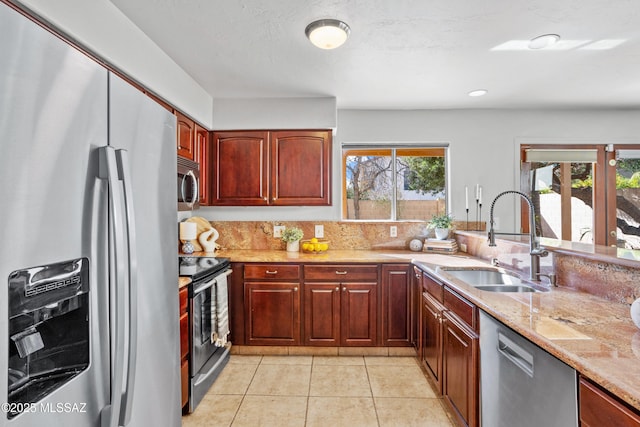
183	193
108	170
194	188
124	171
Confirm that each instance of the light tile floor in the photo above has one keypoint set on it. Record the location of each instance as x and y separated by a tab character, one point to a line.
351	391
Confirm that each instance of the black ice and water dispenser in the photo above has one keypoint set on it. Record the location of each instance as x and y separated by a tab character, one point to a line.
48	328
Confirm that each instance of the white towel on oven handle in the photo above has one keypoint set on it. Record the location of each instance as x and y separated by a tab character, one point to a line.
220	311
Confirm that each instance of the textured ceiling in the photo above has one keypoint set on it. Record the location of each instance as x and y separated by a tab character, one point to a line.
403	54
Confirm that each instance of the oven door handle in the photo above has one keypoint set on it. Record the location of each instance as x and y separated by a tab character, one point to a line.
210	283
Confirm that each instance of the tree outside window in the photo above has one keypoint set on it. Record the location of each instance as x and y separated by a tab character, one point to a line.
393	183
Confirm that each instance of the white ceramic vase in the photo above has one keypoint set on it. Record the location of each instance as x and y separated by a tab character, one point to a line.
441	233
635	312
293	246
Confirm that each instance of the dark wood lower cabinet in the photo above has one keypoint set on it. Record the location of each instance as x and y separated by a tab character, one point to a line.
358	319
460	369
322	314
340	314
599	408
273	313
431	340
397	305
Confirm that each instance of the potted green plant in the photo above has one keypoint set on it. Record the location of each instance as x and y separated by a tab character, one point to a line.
441	224
292	236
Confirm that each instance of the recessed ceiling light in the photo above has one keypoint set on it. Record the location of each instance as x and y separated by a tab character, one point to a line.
478	92
541	42
327	33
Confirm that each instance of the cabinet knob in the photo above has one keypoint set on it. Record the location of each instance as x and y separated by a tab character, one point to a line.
295	289
337	288
271	272
341	272
344	289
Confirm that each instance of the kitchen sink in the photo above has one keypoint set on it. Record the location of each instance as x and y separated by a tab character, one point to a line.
475	277
506	288
490	279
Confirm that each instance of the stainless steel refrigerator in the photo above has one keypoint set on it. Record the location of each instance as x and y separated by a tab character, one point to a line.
89	307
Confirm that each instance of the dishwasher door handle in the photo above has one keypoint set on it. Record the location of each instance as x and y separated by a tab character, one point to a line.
515	354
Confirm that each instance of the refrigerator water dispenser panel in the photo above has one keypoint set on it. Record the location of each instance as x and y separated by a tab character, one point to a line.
48	329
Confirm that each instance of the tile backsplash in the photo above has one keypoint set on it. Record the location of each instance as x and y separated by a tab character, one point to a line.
341	234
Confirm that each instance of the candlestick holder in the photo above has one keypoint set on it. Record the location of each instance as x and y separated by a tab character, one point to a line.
477	215
480	216
467	222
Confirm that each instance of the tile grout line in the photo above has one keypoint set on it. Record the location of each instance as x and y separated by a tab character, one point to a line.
245	392
373	400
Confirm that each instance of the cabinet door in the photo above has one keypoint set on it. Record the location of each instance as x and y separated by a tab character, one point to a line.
322	314
460	370
431	338
396	305
203	157
186	139
358	307
416	303
241	168
599	408
301	168
273	313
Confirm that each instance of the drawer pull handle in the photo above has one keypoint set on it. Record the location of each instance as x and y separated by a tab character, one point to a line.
341	272
271	272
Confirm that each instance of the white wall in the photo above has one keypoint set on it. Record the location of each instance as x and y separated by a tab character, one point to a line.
274	113
483	149
101	28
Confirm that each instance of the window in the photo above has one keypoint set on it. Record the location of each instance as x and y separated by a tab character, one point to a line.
584	193
393	183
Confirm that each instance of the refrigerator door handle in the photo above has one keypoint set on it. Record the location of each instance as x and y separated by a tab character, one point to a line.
124	172
108	170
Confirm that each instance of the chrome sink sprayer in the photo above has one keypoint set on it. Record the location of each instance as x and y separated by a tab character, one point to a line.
534	245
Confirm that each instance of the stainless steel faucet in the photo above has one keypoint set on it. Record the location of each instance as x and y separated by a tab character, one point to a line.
534	245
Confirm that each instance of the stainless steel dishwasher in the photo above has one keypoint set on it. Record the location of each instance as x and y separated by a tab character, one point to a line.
521	384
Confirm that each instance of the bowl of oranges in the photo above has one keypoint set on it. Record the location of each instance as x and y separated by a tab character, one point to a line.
314	246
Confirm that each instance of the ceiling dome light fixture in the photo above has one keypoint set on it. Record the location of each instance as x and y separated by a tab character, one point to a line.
327	33
478	92
543	41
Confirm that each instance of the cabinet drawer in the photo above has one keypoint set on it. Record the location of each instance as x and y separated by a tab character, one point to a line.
184	381
433	287
598	408
184	335
184	294
272	271
461	307
341	273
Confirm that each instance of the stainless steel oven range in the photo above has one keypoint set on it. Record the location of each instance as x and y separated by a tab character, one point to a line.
208	322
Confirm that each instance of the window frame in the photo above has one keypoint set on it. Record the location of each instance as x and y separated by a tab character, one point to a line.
604	185
383	148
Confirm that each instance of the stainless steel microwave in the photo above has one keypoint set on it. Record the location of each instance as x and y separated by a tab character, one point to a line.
188	184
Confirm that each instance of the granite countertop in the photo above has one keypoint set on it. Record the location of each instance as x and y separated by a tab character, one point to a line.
595	336
183	281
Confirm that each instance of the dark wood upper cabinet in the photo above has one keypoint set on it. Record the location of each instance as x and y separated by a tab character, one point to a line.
300	167
240	165
262	168
186	137
203	157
